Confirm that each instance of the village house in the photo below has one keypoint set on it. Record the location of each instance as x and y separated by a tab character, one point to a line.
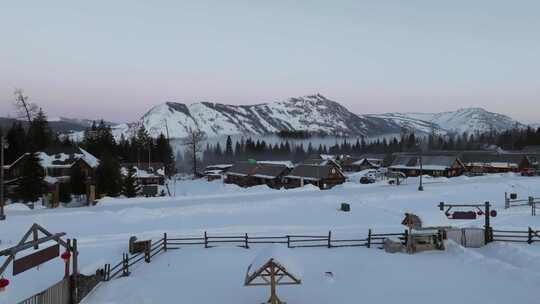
363	162
146	173
322	160
247	174
480	162
215	172
57	164
322	176
447	165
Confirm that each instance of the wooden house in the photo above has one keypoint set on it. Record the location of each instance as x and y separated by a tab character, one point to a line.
322	176
146	173
428	164
363	162
58	163
480	162
215	172
246	174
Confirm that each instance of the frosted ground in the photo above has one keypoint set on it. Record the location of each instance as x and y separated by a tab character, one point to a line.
498	273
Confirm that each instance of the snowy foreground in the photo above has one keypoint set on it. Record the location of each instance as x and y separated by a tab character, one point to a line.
498	273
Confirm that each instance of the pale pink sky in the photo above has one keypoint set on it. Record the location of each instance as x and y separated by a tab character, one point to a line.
114	60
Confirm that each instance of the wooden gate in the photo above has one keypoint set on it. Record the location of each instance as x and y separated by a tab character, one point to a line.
59	293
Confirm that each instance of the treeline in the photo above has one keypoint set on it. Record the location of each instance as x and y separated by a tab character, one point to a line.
140	148
98	140
514	139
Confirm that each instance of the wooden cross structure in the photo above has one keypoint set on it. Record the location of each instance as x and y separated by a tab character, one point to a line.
272	273
39	257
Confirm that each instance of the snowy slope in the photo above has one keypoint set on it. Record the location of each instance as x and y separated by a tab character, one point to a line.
315	113
470	120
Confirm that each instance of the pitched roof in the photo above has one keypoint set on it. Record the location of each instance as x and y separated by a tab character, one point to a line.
429	162
261	170
313	172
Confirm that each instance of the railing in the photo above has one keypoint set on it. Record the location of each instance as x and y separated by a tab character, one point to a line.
530	201
123	267
528	236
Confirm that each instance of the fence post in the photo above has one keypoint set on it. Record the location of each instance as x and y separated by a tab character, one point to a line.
487	227
75	279
107	272
288	241
125	265
165	241
369	239
147	254
246	241
506	201
530	236
205	240
406	236
329	239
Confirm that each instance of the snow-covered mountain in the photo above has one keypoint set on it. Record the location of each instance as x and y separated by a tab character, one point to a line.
313	113
470	120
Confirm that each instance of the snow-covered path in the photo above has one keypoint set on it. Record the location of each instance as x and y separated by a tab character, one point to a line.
103	232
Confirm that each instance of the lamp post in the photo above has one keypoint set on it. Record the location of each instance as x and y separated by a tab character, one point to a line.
421	186
3	145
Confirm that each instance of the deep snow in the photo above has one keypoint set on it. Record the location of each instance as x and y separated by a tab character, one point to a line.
510	272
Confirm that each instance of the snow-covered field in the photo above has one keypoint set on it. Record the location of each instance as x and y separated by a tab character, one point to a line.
498	273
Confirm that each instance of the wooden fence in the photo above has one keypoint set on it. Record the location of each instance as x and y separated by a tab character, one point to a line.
123	267
533	202
59	293
528	236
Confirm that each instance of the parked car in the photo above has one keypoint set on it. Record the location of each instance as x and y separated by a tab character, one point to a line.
367	180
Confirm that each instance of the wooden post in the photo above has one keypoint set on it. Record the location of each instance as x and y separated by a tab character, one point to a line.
75	279
487	227
246	241
66	262
369	239
147	254
329	239
165	241
531	203
530	236
506	201
288	241
35	236
205	240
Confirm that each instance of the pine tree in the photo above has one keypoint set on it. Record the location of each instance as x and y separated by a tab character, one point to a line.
16	138
228	149
130	187
40	135
108	177
30	184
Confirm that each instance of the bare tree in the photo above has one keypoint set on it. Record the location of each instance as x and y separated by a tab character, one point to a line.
24	108
194	145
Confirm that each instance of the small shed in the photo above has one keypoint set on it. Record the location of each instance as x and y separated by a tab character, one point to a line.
273	266
425	231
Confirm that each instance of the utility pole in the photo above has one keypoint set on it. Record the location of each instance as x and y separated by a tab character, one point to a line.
421	186
3	145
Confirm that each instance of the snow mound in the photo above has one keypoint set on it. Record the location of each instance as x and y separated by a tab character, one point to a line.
280	255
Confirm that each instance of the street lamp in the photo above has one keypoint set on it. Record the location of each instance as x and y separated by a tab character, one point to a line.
3	145
421	186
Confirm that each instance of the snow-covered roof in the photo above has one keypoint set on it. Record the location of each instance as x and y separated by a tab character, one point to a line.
65	157
139	173
430	219
279	255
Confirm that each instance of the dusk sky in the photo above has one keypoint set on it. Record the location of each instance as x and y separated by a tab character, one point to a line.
116	59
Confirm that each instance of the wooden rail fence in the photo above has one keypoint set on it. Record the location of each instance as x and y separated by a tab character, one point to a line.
123	267
528	236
